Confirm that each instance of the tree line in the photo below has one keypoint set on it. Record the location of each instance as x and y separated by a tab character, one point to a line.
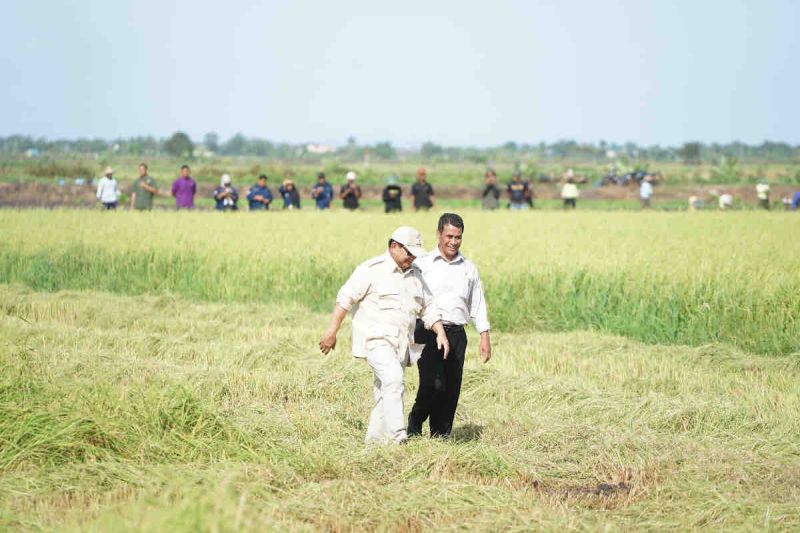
181	145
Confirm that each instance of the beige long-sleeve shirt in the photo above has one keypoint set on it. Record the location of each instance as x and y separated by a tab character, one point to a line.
385	303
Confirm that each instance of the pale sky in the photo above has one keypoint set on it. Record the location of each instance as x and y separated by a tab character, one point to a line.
451	72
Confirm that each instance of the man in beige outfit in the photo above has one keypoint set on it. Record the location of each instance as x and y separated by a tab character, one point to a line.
386	295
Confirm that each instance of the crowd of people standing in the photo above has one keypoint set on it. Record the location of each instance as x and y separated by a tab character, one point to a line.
259	196
518	192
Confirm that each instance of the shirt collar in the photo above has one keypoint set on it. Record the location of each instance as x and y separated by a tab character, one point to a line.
391	266
438	255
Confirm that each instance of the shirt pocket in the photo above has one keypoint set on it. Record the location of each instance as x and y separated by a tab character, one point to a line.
387	297
459	285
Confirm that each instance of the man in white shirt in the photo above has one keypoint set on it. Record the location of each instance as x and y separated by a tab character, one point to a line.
107	190
762	192
386	295
457	288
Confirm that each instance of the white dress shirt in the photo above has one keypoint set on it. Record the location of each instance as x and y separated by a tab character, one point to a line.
457	287
386	303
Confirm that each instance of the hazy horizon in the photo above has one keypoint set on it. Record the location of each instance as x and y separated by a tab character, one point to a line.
456	75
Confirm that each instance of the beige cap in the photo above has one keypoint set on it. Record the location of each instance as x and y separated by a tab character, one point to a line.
108	171
226	179
351	176
410	238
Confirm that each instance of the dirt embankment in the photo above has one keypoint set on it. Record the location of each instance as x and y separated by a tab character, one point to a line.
69	195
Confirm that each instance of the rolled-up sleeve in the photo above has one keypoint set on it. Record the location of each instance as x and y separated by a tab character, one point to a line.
477	307
430	313
354	289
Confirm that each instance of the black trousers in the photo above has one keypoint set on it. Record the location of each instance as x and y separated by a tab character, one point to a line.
439	383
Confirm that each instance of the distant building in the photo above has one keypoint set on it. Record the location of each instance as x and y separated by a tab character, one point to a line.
202	151
320	148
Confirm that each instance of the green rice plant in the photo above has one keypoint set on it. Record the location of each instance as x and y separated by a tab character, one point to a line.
680	278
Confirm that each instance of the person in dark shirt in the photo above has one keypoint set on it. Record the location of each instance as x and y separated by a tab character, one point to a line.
518	192
392	196
143	191
350	192
290	195
226	195
322	192
422	195
529	194
259	197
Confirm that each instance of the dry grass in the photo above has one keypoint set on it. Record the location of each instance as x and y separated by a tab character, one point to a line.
160	413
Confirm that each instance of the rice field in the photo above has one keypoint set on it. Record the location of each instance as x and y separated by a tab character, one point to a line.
675	278
160	372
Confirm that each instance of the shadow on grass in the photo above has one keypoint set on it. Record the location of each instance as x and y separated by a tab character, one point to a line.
467	433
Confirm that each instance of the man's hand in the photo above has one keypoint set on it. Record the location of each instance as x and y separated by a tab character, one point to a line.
485	347
328	342
442	343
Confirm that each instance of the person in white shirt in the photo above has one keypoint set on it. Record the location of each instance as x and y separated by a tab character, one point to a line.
456	285
386	295
570	193
107	189
646	191
762	192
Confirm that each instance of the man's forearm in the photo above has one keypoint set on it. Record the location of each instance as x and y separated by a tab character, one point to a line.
337	318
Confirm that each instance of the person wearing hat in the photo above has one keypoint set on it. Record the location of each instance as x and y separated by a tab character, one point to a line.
519	192
322	192
456	285
259	196
107	190
386	295
183	189
143	191
226	195
290	195
392	196
422	196
350	192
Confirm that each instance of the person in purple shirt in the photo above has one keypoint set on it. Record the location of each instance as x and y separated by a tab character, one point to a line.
183	189
796	201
